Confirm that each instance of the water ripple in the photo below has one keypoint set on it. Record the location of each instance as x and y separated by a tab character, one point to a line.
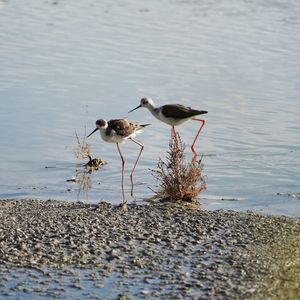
65	65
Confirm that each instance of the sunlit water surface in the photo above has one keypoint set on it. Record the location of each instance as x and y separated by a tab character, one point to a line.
65	64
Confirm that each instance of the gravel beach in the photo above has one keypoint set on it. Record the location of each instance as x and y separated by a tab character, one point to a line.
74	250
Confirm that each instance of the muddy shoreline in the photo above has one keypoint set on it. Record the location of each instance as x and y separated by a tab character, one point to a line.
153	251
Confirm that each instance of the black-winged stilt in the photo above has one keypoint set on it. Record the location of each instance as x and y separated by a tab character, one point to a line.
117	131
173	114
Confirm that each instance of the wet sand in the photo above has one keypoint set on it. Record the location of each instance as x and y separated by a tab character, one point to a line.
70	250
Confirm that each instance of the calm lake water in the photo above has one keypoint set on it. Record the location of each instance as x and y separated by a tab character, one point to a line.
65	64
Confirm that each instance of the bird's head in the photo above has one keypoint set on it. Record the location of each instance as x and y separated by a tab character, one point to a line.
145	102
100	125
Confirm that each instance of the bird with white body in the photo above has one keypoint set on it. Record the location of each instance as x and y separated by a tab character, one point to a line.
173	114
118	131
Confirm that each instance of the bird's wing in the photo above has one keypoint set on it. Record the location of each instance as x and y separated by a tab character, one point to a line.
120	126
178	111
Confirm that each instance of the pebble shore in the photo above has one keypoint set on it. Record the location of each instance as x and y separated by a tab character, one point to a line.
161	251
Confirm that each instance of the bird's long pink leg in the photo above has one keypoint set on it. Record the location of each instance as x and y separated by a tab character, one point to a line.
131	174
192	147
173	134
123	163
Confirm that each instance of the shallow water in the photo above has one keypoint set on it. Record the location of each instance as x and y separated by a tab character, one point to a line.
66	64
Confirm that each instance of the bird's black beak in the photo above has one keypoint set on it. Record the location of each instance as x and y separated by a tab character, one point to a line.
92	132
135	108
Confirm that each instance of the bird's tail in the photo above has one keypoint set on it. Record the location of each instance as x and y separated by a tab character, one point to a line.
202	112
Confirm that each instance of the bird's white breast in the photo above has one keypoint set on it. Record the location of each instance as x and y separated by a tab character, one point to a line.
113	137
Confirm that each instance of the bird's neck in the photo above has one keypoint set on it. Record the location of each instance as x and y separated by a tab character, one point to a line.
153	109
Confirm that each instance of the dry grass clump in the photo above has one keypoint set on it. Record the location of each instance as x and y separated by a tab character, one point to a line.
82	149
83	176
178	180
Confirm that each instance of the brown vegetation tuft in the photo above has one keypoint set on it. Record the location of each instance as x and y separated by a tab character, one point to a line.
178	180
83	149
83	176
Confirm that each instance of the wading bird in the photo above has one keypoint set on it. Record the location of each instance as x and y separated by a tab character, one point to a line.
173	114
117	131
